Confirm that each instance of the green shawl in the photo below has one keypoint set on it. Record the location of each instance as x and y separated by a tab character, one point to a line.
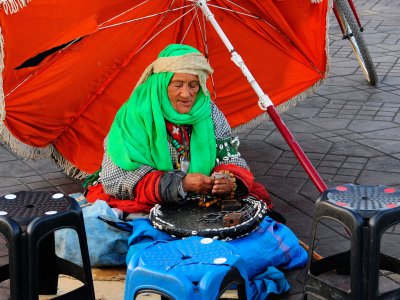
138	134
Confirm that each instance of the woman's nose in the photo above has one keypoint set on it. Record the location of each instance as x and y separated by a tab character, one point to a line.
185	91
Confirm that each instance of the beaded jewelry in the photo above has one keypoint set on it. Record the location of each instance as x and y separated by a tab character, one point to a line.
180	148
183	160
203	202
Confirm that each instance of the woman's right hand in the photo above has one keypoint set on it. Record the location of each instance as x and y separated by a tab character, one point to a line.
197	183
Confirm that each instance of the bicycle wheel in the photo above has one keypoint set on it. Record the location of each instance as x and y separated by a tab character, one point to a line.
353	34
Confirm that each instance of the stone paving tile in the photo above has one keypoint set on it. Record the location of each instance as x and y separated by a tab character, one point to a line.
15	168
379	177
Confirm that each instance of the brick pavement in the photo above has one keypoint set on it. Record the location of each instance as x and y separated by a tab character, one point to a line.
349	130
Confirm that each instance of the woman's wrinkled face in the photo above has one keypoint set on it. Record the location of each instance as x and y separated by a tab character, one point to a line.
182	91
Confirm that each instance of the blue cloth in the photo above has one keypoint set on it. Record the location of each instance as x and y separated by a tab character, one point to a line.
107	245
273	245
271	281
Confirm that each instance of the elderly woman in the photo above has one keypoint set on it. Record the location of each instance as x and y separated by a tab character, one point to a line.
169	139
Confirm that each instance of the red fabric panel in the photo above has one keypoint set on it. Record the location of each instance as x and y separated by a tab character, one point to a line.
146	195
42	25
146	192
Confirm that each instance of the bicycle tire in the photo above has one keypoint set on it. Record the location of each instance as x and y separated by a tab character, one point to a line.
354	35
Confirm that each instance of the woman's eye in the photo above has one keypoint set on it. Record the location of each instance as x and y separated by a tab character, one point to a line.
178	85
194	85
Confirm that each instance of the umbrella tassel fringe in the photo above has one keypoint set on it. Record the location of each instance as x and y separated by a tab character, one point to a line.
13	6
281	108
29	152
68	168
21	148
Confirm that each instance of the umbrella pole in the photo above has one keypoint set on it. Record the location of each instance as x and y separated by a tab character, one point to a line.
294	145
265	102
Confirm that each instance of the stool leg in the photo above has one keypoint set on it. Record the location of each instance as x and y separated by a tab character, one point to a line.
14	270
42	277
231	278
40	238
353	222
87	270
84	273
48	273
307	284
378	224
389	263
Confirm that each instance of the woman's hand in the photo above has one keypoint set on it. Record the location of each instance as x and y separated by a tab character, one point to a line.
223	186
197	183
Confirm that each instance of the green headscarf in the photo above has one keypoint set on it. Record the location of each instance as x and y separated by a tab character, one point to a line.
138	134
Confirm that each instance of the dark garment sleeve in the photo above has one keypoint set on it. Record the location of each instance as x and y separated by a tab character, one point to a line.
170	187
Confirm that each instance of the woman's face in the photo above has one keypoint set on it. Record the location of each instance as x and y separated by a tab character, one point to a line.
182	91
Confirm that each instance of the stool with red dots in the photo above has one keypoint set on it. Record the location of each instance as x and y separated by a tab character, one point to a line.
28	220
366	212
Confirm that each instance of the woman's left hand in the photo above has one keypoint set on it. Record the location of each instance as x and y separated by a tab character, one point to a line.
223	186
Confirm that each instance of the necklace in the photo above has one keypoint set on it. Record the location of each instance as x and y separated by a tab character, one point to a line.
180	148
179	137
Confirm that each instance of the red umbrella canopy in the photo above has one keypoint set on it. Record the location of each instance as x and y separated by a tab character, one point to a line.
69	65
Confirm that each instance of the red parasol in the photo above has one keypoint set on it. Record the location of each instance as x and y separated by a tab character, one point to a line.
69	65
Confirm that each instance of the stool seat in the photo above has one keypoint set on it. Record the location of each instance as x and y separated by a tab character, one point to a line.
28	220
366	212
23	207
192	268
365	200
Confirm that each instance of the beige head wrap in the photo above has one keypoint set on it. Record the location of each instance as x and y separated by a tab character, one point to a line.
192	63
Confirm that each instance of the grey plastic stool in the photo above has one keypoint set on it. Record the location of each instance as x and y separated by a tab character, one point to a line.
28	221
367	212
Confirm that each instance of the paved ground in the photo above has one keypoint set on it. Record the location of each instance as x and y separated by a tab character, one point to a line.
349	130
